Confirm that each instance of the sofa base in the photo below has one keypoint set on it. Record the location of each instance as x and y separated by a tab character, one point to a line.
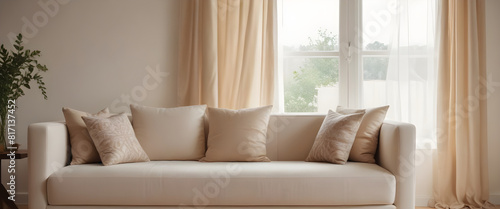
289	139
222	183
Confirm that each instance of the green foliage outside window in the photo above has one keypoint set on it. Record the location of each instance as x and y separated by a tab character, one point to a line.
301	92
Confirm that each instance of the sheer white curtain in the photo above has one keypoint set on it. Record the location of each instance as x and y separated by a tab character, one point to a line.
411	73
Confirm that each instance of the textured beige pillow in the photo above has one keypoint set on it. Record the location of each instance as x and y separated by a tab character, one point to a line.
335	137
82	147
237	135
365	144
115	140
170	133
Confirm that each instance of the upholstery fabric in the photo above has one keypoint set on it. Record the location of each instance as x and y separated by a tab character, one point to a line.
170	133
82	147
335	138
366	141
289	138
222	183
237	135
115	140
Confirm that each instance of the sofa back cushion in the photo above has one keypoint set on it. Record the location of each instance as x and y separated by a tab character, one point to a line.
170	133
290	137
237	135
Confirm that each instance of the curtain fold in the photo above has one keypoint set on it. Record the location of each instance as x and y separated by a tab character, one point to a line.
461	167
226	53
411	72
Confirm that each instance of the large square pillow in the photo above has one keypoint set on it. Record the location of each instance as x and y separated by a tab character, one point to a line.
335	138
115	140
170	133
82	147
366	141
237	135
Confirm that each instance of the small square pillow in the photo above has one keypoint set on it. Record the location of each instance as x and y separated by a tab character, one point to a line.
82	147
237	135
335	138
366	141
115	139
170	133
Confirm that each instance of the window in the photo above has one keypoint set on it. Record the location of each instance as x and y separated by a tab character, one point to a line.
357	53
309	39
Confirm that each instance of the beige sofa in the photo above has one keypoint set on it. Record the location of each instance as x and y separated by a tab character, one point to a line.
286	181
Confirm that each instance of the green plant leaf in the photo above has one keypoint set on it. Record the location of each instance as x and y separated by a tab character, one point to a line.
18	68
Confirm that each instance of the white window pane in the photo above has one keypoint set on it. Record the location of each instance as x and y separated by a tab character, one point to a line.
310	25
375	67
377	20
420	21
374	81
311	84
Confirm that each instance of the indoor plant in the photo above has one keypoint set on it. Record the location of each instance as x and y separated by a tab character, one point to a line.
18	68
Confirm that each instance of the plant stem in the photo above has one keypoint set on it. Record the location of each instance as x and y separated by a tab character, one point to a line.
3	117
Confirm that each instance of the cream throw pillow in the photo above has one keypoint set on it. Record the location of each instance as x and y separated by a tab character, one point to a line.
170	133
115	140
82	147
366	142
335	138
237	135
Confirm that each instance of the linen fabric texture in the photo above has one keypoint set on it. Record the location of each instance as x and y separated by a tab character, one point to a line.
237	135
335	138
366	140
170	133
82	147
115	140
226	53
461	169
281	182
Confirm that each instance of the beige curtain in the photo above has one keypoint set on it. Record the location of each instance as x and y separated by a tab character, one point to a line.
461	167
226	53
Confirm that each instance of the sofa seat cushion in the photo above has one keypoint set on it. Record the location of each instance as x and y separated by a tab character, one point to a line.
222	183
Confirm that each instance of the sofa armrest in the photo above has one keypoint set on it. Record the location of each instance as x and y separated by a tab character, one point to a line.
396	153
48	152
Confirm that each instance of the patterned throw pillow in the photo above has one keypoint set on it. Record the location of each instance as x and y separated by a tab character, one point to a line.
335	138
115	139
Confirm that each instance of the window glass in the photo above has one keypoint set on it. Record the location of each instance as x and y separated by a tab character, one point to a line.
310	64
311	84
377	20
310	25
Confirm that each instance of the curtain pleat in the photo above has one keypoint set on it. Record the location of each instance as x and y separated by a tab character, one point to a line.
226	53
461	166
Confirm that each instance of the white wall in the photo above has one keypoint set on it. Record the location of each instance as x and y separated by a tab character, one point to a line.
96	51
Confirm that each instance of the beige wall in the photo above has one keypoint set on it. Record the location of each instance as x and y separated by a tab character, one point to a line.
493	67
97	51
